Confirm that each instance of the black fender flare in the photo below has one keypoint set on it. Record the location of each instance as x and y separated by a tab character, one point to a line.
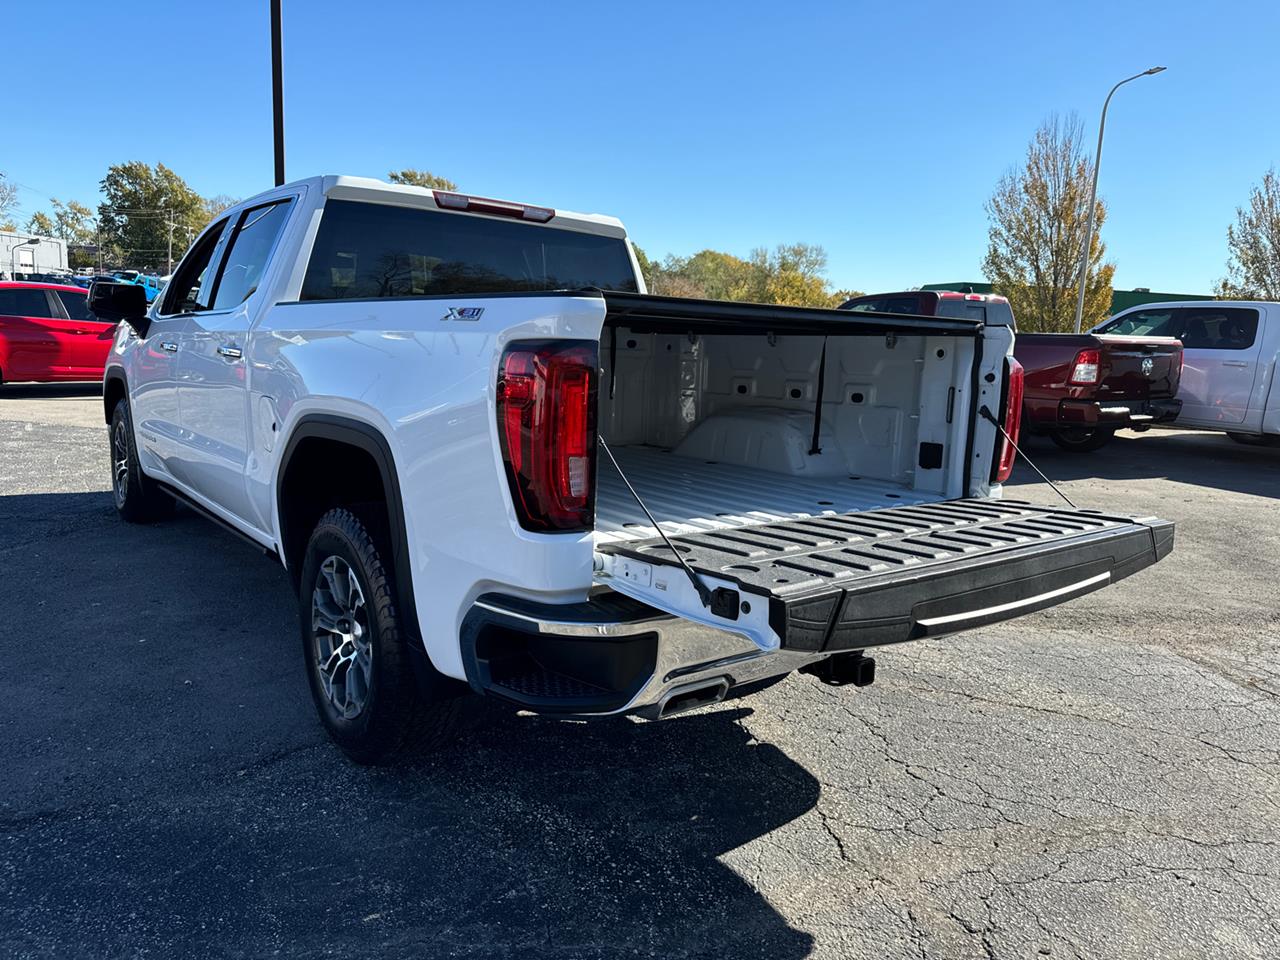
113	375
365	437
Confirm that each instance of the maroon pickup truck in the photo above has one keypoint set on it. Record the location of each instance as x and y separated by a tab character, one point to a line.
1079	388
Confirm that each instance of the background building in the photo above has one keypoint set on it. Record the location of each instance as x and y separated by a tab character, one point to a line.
19	256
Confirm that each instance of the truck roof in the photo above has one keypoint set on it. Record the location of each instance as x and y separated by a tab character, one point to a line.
369	190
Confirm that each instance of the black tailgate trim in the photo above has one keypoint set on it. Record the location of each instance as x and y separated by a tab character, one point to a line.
850	581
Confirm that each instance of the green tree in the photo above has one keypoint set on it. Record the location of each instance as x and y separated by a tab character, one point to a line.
40	224
1038	216
73	222
144	207
1253	244
421	178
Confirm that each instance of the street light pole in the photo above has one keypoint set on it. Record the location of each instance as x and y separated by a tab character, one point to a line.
13	264
1093	193
277	90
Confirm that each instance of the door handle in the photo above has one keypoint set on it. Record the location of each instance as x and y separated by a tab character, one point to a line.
231	353
169	345
1235	363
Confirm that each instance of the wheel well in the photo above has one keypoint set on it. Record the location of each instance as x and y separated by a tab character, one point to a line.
112	394
323	473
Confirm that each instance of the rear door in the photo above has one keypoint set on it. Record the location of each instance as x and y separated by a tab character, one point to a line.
32	339
88	339
214	379
1220	364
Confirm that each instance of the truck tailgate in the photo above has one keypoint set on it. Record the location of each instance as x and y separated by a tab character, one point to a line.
854	580
1139	368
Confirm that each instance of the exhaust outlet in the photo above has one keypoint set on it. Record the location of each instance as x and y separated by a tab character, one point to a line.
692	696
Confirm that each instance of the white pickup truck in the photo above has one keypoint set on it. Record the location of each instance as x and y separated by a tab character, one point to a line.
1230	361
443	413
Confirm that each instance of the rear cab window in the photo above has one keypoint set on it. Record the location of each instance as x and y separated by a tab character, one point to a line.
374	251
1145	323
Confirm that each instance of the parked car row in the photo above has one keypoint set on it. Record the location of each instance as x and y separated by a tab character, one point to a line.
1210	364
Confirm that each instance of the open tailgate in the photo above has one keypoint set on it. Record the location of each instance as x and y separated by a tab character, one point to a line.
855	580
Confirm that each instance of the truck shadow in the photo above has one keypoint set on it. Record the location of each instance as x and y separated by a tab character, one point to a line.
1192	457
171	786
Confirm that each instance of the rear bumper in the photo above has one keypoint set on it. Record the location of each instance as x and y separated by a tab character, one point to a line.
608	655
1111	414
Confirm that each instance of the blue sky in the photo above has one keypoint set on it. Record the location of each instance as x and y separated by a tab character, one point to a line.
876	130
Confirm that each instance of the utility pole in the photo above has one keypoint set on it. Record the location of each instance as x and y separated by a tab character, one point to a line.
170	268
277	90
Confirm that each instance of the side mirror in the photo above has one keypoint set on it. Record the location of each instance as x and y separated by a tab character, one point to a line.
120	303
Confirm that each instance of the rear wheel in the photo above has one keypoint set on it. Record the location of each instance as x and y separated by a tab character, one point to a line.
357	650
136	496
1080	440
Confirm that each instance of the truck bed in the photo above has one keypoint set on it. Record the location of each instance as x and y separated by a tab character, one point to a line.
691	496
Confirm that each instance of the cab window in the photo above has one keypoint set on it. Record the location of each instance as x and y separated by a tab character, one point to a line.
1220	328
188	291
1145	323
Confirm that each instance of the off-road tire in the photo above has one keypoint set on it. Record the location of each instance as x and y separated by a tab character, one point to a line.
1081	441
404	709
137	497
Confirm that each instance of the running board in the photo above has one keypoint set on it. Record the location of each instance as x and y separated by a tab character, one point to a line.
850	581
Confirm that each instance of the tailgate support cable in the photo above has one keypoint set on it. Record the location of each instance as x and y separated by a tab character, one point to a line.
814	448
704	594
988	415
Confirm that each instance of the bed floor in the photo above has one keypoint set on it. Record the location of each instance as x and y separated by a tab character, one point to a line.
686	495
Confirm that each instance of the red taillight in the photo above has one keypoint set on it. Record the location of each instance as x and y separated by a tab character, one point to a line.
499	208
1085	369
1011	420
547	429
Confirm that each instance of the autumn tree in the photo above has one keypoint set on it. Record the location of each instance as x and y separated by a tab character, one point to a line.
787	274
421	178
40	225
1253	243
1039	213
141	203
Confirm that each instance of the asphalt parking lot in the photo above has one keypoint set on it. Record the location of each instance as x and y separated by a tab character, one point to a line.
1098	780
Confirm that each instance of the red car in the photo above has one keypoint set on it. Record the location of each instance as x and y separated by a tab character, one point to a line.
47	333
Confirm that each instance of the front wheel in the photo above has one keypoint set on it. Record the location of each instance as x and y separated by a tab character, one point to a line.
357	651
137	498
1080	440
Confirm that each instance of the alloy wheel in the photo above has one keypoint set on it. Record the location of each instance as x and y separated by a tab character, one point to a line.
341	638
120	462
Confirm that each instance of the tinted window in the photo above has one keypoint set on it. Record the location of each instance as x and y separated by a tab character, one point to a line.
247	255
77	305
373	250
1145	323
1225	328
964	309
185	292
20	302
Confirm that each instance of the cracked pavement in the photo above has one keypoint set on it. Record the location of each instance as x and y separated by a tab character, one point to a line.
1098	780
